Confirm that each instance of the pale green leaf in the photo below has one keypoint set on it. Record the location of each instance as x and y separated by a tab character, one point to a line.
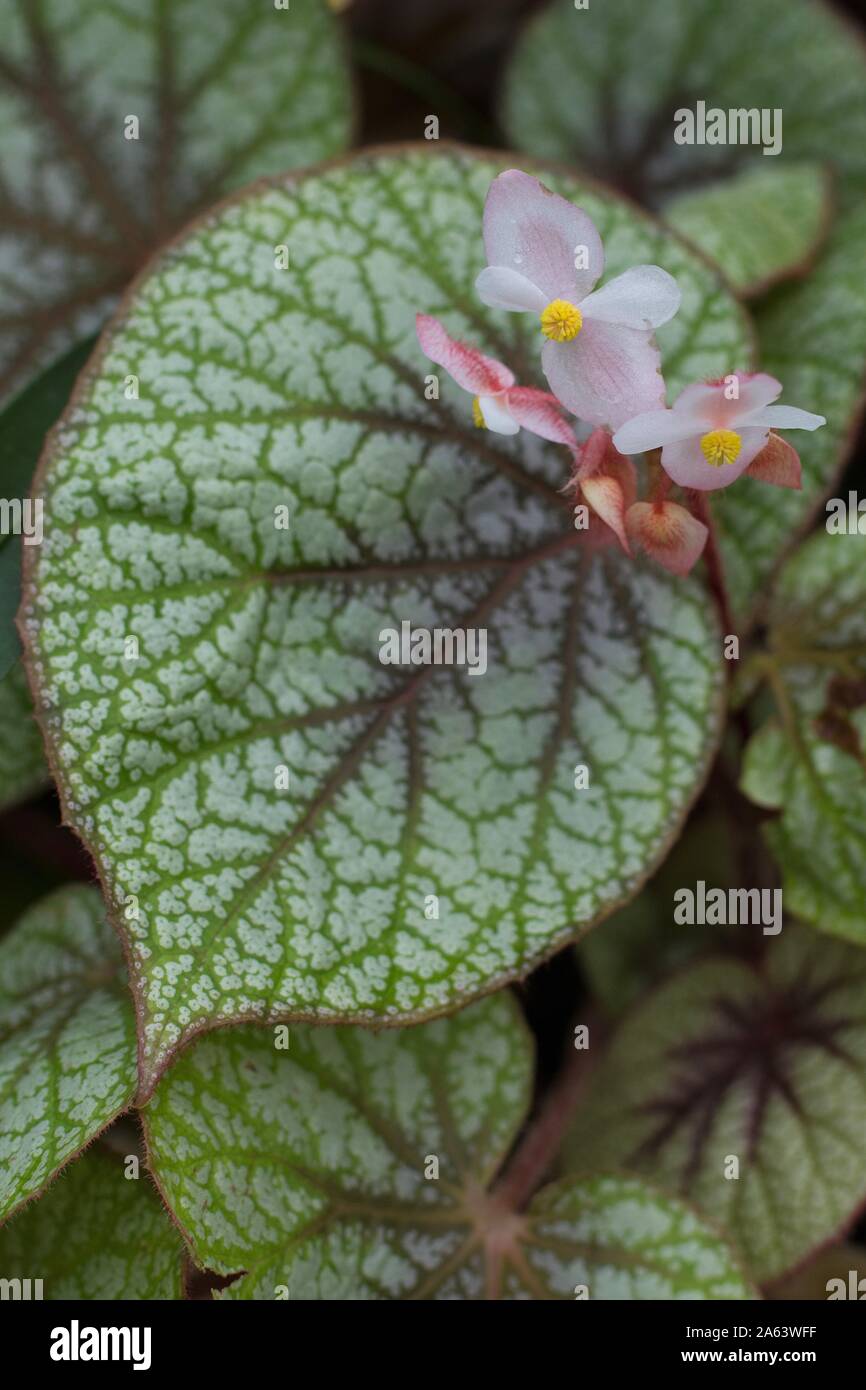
67	1039
762	1064
304	389
619	1238
809	762
22	760
311	1169
221	92
761	226
95	1235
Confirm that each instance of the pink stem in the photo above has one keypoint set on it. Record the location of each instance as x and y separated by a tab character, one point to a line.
537	1150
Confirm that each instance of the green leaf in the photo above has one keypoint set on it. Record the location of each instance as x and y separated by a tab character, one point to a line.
642	943
311	1168
763	225
95	1235
765	1064
220	96
622	1239
10	597
580	89
23	427
812	337
809	763
583	88
258	647
22	760
67	1039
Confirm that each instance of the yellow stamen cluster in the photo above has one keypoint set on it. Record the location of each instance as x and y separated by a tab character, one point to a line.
720	447
477	416
561	321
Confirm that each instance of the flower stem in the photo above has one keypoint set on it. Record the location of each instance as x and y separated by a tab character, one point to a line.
713	558
537	1150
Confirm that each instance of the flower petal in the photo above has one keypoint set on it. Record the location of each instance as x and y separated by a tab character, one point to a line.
644	297
785	417
685	462
496	415
531	230
502	288
541	414
593	454
605	495
607	374
668	533
777	463
707	403
653	429
470	368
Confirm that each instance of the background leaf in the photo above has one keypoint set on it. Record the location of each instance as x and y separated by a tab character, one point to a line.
760	226
580	89
766	1064
809	763
258	647
23	427
95	1235
221	96
641	943
812	337
23	769
67	1039
306	1168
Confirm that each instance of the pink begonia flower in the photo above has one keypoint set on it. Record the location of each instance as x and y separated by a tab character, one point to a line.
707	440
544	256
607	482
667	532
499	405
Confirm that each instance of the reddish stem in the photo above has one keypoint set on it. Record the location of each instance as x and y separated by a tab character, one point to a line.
713	559
537	1150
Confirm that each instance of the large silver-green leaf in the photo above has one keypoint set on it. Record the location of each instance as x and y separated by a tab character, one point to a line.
580	88
351	1165
761	226
763	1065
96	1235
22	760
809	762
601	86
67	1039
412	791
221	92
